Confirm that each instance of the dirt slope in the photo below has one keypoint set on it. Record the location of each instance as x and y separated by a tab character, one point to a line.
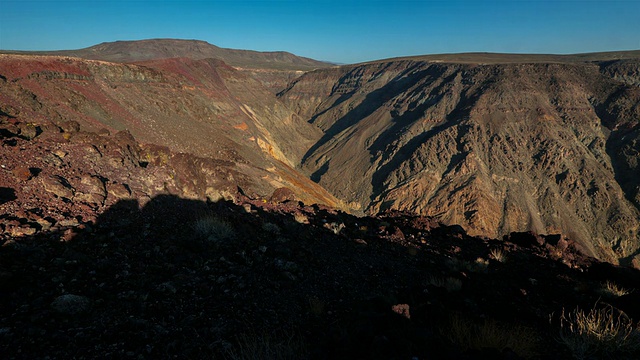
547	147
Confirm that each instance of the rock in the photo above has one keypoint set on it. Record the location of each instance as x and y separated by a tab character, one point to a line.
28	131
70	126
44	223
402	310
525	239
68	222
58	186
91	190
59	153
70	304
52	159
23	231
281	195
22	173
118	191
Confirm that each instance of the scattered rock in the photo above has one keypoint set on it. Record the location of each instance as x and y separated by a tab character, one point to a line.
70	304
22	173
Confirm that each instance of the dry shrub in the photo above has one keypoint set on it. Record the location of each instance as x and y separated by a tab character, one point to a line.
213	229
490	334
478	266
498	255
599	333
610	289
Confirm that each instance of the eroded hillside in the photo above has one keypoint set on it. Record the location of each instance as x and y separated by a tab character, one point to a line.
547	147
197	107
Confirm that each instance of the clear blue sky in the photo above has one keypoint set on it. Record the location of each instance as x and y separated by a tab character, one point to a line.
340	31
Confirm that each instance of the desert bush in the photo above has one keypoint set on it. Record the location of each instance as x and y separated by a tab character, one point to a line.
214	229
466	334
599	333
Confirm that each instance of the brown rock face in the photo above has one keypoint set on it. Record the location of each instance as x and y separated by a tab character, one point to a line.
197	107
497	148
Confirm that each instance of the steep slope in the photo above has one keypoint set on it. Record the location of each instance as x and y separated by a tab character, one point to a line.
154	49
496	146
200	107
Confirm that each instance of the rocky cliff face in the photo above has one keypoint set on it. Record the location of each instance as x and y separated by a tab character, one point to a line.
548	147
198	107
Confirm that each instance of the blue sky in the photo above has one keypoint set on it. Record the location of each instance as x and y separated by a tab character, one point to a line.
339	31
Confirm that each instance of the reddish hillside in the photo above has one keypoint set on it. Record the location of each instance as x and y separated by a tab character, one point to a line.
154	49
201	107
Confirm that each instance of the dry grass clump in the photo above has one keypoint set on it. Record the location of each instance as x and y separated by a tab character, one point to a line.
490	334
498	255
611	289
279	345
599	333
451	284
478	266
271	228
213	229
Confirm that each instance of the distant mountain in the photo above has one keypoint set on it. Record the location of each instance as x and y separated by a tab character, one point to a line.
498	58
154	49
496	143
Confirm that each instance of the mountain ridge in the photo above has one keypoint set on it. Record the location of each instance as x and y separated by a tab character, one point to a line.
155	49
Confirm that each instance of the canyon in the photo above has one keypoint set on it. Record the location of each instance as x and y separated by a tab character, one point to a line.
495	143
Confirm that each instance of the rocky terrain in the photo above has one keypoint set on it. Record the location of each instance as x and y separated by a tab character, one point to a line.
105	254
495	144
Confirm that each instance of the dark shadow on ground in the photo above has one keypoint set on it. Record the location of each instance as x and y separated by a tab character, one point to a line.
187	279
